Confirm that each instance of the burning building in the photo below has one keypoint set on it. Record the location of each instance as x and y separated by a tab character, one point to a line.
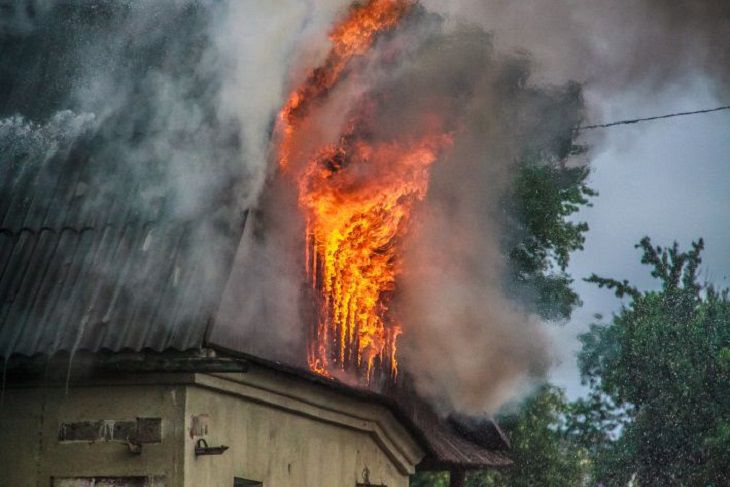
116	378
131	352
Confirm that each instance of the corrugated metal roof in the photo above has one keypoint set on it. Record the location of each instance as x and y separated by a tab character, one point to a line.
119	173
128	286
461	442
91	259
449	448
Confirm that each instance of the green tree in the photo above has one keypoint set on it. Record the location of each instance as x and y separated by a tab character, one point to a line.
663	363
548	189
543	236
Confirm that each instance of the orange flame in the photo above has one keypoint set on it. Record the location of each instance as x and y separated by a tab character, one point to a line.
353	37
357	196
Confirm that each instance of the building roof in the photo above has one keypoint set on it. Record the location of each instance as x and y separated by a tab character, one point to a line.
97	256
106	246
61	288
120	180
86	267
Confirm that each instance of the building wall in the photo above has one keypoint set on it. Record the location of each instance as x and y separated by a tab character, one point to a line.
280	431
32	453
283	434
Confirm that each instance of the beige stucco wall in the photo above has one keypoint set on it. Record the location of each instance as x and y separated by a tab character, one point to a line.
285	433
29	424
279	430
30	417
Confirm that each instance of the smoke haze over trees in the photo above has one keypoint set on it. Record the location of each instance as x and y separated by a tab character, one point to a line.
657	413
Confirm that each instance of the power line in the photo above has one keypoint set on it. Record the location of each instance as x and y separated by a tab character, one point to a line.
647	119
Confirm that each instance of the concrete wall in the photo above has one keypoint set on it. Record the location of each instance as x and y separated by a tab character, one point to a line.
280	430
30	417
285	433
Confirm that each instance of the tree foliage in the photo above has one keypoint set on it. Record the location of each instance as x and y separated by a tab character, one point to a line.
663	363
545	197
430	479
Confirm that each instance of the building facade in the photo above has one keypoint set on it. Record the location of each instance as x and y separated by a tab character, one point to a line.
170	428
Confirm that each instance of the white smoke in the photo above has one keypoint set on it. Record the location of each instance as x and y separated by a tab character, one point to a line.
20	137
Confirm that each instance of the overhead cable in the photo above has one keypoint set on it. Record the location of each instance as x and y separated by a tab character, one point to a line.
647	119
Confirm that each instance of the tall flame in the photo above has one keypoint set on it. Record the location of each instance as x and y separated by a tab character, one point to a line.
357	196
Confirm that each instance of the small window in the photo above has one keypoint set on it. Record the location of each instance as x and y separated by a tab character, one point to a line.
239	482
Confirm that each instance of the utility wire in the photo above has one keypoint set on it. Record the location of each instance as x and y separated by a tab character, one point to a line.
647	119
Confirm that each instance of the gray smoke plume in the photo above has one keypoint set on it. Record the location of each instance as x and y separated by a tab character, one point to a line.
474	349
467	345
151	113
618	46
157	78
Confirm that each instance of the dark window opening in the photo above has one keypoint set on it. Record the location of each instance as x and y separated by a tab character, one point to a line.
239	482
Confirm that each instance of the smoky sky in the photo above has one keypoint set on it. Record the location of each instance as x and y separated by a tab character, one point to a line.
151	78
471	347
667	180
613	46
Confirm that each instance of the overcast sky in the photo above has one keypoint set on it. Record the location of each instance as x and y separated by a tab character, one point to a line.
666	179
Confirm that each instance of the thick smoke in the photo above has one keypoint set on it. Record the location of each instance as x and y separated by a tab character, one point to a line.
466	344
182	105
154	112
263	307
172	104
618	46
19	136
471	348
